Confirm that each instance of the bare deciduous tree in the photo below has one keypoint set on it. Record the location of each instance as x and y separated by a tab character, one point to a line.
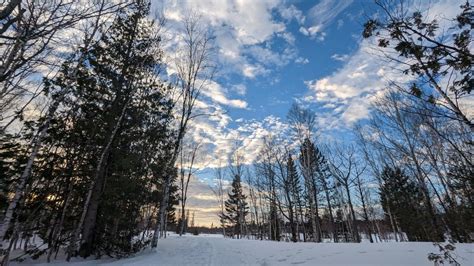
186	163
30	34
218	190
194	70
343	168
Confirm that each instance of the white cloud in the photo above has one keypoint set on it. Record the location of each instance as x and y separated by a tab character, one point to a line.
321	16
349	91
288	37
240	89
326	90
291	12
244	31
238	26
219	142
202	202
267	57
340	23
301	60
251	71
356	110
314	32
340	57
214	91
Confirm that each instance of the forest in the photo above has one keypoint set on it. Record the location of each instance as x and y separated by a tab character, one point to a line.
96	155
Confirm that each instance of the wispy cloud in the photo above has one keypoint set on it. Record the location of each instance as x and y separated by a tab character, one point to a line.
292	13
218	95
348	92
219	142
239	27
340	57
321	15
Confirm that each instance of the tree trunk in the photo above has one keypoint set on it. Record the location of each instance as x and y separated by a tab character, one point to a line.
181	230
161	213
313	210
7	220
331	215
89	223
89	213
355	231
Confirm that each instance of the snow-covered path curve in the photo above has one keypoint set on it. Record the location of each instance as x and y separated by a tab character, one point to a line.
215	251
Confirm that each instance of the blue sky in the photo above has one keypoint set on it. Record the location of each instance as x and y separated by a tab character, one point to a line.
272	94
271	53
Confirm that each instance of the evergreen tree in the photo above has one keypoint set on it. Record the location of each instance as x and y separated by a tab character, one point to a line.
101	162
460	212
236	207
293	189
10	160
309	171
405	200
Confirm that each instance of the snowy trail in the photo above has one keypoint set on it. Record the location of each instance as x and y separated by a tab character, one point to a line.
214	251
208	250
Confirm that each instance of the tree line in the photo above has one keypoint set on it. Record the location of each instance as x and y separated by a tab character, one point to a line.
91	134
408	174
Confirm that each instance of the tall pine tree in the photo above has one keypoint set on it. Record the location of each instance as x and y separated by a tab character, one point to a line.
236	208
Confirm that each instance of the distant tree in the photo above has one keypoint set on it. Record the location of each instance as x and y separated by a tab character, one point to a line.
343	167
192	220
187	219
309	171
297	195
292	190
218	191
186	163
324	178
405	200
268	169
363	195
236	207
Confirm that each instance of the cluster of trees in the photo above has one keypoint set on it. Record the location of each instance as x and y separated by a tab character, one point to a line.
408	176
91	138
295	193
91	132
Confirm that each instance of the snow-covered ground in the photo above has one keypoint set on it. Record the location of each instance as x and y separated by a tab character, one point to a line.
214	250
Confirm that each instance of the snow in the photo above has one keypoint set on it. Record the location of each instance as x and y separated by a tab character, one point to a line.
215	250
